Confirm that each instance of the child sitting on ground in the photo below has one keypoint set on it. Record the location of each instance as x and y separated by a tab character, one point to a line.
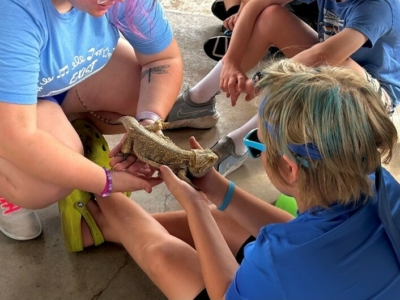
322	133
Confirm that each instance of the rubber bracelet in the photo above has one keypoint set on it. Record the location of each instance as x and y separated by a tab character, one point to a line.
228	196
108	187
147	115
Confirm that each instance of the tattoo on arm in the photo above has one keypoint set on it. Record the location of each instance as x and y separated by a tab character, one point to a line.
155	70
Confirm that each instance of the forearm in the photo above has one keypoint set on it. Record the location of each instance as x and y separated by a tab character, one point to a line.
43	157
160	84
216	260
246	209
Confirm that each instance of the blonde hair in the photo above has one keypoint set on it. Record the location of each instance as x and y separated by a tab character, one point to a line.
334	111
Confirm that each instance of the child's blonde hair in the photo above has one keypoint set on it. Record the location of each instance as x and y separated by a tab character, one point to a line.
336	117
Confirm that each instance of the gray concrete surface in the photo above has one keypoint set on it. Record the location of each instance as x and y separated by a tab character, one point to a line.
43	269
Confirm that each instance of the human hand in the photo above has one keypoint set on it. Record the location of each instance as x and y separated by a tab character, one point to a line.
130	163
124	181
250	90
185	194
229	23
207	181
232	80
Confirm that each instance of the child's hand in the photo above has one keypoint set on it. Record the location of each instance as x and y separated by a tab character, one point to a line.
185	194
205	181
232	81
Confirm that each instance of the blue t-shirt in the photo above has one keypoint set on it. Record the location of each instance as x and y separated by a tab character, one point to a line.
338	253
379	21
44	53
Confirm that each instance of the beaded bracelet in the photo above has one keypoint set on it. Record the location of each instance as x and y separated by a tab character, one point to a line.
147	115
108	187
228	196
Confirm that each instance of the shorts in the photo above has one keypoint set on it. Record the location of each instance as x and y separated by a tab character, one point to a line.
59	98
387	101
239	257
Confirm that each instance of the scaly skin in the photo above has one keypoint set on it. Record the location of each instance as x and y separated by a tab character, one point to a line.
157	150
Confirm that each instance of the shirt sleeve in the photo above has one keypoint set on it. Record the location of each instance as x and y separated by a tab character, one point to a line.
372	18
20	44
256	277
153	31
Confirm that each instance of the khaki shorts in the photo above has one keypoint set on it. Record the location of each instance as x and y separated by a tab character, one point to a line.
387	101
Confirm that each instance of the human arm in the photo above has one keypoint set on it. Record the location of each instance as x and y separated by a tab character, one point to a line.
161	80
335	51
232	73
46	158
249	211
217	262
229	23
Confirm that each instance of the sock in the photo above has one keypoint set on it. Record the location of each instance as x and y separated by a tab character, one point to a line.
233	10
207	87
238	134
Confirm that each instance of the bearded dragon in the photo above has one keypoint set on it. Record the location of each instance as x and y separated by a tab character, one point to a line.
156	149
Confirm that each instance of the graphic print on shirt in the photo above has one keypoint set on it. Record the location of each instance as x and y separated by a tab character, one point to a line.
79	67
332	25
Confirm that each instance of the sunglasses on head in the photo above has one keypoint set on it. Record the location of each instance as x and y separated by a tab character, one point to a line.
253	144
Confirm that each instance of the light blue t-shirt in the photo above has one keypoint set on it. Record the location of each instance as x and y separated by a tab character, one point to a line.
338	253
379	21
44	53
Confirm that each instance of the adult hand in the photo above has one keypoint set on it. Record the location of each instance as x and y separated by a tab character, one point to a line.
130	163
232	80
126	181
229	23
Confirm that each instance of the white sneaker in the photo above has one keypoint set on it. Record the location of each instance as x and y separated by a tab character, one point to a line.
18	223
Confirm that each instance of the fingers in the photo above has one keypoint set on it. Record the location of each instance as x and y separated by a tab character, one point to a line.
117	149
170	179
147	184
194	144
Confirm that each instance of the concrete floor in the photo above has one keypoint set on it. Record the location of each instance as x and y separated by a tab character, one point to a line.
43	269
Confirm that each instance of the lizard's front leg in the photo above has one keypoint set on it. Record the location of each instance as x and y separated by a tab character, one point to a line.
156	126
127	147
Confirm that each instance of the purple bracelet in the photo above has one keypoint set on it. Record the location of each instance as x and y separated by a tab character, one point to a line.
148	115
108	188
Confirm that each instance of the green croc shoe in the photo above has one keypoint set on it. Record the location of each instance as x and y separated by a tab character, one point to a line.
94	144
287	203
72	209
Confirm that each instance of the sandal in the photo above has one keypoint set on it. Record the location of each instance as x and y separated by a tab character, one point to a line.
73	207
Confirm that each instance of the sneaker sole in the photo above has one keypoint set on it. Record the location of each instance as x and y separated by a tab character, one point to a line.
234	168
26	238
205	122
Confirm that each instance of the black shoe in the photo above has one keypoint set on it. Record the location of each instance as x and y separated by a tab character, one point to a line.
218	10
217	46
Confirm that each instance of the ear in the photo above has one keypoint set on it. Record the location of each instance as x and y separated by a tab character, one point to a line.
288	169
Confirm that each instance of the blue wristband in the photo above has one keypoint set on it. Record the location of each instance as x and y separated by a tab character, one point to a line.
228	196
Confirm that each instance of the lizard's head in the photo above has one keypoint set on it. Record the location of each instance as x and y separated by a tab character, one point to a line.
203	162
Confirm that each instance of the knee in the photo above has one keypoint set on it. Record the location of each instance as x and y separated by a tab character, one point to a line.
270	17
28	200
158	256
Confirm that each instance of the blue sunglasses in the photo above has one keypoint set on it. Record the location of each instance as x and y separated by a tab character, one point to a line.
253	144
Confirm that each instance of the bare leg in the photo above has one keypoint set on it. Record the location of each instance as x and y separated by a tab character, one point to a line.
16	186
161	244
279	27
